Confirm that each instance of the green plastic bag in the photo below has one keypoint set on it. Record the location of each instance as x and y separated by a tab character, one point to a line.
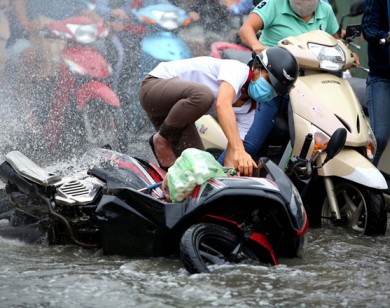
192	168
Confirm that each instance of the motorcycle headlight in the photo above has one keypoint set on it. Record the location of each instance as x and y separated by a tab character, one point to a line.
371	145
167	20
332	58
84	34
74	67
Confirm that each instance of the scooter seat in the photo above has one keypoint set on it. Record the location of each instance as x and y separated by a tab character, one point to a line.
31	171
236	54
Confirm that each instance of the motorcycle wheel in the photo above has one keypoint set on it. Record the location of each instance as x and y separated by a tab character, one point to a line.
206	244
362	209
104	125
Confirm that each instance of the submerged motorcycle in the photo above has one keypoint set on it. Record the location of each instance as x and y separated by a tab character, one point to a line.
348	191
114	202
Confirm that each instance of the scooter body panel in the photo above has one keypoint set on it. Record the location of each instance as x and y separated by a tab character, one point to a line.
211	133
165	46
328	102
89	61
351	165
96	90
147	14
160	42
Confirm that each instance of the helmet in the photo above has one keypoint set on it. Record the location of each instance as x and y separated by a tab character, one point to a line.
282	68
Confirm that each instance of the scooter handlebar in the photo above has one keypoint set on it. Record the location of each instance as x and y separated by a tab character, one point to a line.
306	146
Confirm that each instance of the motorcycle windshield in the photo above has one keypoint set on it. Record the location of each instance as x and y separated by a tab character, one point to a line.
162	13
127	170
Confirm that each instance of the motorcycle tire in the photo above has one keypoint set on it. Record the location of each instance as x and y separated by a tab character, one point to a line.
362	209
205	244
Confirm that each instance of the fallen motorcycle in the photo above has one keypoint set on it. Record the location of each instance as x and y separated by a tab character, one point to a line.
114	202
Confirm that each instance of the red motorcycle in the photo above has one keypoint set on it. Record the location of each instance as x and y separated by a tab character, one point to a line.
85	110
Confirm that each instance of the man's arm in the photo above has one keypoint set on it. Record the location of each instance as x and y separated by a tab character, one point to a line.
19	7
235	153
370	22
248	31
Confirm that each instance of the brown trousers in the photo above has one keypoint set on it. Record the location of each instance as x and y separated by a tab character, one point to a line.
173	105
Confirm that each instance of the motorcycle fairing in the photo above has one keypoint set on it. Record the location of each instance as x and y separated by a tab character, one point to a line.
146	13
96	90
81	56
337	107
57	29
28	169
124	230
351	165
165	46
211	133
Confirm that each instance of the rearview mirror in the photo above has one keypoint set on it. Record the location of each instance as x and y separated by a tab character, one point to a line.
357	8
353	31
336	143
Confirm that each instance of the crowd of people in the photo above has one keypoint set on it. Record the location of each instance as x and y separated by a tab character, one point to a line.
174	95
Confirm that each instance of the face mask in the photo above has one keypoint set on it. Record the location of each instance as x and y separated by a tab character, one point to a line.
303	8
261	91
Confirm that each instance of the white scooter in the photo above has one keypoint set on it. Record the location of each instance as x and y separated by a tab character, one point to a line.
347	191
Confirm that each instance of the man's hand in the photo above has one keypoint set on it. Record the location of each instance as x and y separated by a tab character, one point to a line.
356	59
240	160
235	153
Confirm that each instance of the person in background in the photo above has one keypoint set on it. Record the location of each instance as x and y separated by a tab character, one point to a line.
239	7
278	19
123	44
4	33
211	21
376	31
177	93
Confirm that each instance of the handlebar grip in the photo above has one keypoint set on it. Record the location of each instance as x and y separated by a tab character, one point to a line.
306	146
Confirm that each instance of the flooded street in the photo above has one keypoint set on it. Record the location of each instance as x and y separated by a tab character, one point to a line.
338	270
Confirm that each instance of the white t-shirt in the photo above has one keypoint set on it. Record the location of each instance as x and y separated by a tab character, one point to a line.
211	72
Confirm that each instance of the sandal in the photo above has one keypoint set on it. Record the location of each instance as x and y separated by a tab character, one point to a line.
152	147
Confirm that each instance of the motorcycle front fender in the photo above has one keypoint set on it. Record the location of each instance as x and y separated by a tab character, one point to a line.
96	90
351	165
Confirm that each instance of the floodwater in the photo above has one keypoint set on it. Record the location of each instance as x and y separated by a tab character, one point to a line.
337	270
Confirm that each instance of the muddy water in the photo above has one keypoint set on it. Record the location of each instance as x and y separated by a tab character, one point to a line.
337	270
